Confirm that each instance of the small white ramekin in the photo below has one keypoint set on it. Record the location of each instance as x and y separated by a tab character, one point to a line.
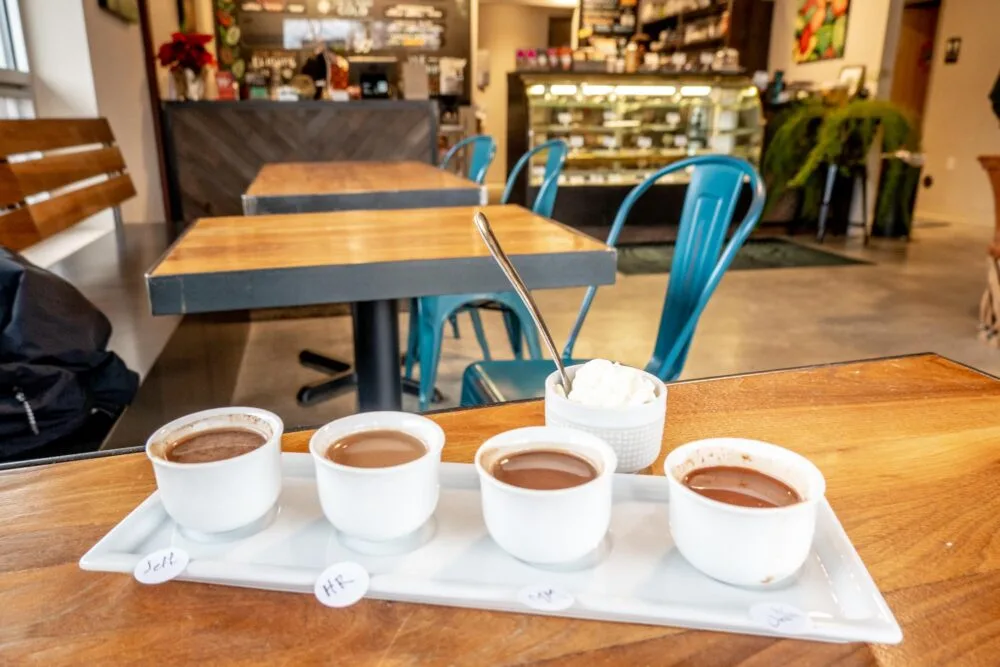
547	527
219	496
378	504
743	546
635	432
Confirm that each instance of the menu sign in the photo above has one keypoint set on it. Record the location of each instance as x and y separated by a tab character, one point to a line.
352	8
405	11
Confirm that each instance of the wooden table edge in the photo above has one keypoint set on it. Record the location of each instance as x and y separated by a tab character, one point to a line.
138	449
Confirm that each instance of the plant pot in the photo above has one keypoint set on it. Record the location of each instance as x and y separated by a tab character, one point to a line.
189	85
895	220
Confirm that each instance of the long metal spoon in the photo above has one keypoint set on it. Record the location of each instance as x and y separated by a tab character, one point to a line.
490	239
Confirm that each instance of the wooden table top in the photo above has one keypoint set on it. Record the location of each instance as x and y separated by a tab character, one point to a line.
320	178
364	255
910	448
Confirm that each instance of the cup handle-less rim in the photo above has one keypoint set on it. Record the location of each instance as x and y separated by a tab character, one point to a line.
321	440
817	481
609	460
271	419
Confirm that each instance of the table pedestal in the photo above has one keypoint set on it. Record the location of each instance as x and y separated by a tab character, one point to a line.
376	355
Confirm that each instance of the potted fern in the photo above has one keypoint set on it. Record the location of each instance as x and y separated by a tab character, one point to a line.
815	134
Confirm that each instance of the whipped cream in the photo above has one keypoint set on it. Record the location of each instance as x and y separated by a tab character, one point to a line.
603	384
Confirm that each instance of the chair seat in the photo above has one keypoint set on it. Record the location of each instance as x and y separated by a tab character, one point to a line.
486	382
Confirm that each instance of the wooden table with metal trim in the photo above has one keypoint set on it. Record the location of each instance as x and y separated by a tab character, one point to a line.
369	259
909	447
315	187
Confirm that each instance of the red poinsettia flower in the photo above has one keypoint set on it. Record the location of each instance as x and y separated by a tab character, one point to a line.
185	51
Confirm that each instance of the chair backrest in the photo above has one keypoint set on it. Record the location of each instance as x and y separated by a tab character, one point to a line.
545	200
699	260
482	149
74	161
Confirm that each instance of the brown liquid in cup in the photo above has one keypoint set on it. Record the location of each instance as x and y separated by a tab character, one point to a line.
543	470
214	445
741	486
376	449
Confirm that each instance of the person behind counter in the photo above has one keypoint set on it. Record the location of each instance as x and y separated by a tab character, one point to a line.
328	70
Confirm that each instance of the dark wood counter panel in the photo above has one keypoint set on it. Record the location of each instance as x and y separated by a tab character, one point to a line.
215	149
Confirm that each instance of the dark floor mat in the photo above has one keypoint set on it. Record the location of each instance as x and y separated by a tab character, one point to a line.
645	258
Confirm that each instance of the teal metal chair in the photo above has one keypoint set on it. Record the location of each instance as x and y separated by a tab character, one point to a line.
701	258
481	150
427	319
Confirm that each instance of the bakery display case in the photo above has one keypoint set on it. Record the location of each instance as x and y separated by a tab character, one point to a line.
621	128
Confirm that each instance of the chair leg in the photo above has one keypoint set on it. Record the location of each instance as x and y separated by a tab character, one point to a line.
453	320
430	354
864	204
513	325
824	210
477	326
412	339
531	337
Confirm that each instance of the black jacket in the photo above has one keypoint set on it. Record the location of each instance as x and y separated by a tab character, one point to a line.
55	370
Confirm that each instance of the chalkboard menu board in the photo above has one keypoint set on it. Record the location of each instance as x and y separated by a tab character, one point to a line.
427	29
375	27
607	18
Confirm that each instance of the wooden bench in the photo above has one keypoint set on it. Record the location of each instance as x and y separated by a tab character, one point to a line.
54	174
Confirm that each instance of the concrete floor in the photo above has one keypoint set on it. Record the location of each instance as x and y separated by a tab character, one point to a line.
916	297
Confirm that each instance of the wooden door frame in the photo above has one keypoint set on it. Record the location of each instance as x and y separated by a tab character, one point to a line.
156	103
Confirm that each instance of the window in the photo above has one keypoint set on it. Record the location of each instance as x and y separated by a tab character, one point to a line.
15	79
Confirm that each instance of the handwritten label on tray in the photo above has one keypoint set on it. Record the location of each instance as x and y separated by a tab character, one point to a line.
342	584
780	617
161	566
545	598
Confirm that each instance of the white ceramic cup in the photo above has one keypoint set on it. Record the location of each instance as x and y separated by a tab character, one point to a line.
378	504
744	546
635	432
224	495
554	526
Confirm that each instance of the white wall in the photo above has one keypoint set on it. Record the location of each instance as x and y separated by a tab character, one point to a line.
503	28
119	75
959	124
867	26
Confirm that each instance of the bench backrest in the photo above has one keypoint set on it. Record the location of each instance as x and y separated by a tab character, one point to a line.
74	160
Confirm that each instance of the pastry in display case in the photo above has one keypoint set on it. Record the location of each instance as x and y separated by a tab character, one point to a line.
622	128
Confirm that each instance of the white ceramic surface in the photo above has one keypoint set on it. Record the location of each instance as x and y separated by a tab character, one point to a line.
744	546
219	496
642	579
378	504
547	527
635	433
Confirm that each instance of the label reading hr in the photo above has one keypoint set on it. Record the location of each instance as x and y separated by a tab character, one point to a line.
161	566
545	598
342	584
780	617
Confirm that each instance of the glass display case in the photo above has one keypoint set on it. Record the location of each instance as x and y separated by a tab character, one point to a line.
621	128
621	132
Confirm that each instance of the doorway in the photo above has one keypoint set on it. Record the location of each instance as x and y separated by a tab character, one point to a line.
914	56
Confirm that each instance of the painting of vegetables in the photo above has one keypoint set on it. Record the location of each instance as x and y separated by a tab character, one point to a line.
820	30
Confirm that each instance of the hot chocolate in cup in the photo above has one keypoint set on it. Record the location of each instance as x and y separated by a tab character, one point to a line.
218	470
758	531
377	475
546	492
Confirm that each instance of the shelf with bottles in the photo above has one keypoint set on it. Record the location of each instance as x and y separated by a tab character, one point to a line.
654	11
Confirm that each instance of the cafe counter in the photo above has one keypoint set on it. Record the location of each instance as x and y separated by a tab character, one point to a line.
213	150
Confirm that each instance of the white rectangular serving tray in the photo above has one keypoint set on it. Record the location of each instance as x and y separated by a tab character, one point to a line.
641	579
